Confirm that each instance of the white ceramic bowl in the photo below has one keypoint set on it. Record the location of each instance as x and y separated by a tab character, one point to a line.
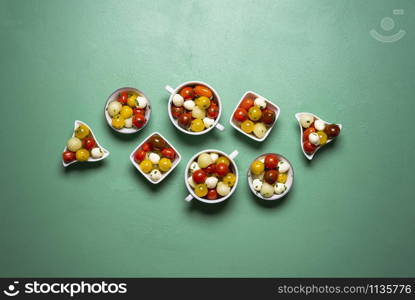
173	92
113	97
175	162
289	183
235	124
232	167
297	116
90	159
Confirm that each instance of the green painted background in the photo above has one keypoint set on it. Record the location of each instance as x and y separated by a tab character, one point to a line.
351	212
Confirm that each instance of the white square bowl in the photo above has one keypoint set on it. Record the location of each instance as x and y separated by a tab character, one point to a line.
235	124
175	162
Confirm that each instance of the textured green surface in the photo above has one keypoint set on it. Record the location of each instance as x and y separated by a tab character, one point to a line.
351	212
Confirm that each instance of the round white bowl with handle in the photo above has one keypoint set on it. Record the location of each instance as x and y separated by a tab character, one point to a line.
232	167
175	91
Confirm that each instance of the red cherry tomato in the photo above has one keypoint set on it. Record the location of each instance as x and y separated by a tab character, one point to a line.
271	161
187	93
169	153
309	148
137	110
176	111
213	111
199	176
123	97
88	143
247	103
307	133
240	114
146	147
211	169
222	169
212	194
184	120
271	176
139	155
139	120
68	156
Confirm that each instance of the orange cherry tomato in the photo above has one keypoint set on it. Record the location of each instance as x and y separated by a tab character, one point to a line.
201	90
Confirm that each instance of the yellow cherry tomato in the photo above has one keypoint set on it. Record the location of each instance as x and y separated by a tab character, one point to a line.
82	155
82	131
323	137
197	125
131	101
223	160
247	126
282	177
254	113
146	166
118	122
203	102
229	179
126	112
164	164
257	167
201	190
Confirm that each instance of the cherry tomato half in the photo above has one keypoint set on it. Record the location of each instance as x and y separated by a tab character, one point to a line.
240	114
199	176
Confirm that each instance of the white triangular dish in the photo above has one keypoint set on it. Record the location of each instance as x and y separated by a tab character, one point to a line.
174	163
297	116
90	159
113	97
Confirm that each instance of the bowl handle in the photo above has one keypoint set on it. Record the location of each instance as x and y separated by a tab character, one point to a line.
220	127
234	154
169	89
188	198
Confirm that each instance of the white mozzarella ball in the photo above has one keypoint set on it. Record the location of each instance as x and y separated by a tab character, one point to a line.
223	189
141	102
155	175
214	157
114	108
261	102
97	152
194	166
267	190
280	188
257	184
283	166
319	125
74	144
154	158
306	120
128	123
211	182
178	100
208	122
314	138
191	182
189	104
